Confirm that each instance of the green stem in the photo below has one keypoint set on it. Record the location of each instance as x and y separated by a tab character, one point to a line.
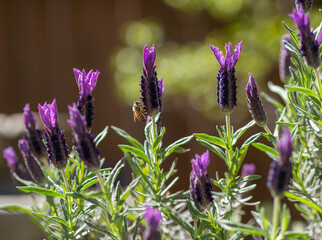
319	83
156	170
69	201
275	216
230	148
106	198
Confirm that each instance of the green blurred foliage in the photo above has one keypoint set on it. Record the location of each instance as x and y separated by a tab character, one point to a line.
189	70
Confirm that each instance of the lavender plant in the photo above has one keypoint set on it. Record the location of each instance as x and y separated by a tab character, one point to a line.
77	198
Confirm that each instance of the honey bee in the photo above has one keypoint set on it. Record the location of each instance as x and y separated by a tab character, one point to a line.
139	111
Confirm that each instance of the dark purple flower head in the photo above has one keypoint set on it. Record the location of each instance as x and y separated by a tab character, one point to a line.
55	140
48	114
309	46
153	218
84	141
86	84
285	59
151	87
305	4
280	172
33	134
31	162
200	187
248	169
254	102
14	165
285	145
226	87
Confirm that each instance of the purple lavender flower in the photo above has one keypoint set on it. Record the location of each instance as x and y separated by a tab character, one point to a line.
248	169
150	89
153	218
285	145
280	172
15	166
305	4
285	59
33	134
200	187
226	87
84	141
309	46
86	84
254	103
31	162
55	140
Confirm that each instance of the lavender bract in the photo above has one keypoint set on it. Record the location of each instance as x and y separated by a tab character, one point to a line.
86	84
33	134
84	141
309	46
254	102
55	140
15	166
31	162
200	187
285	59
150	90
153	218
226	87
248	169
280	172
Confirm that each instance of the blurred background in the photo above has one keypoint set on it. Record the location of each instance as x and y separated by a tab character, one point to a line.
42	40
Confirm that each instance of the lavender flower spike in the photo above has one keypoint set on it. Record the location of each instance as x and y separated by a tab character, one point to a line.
15	166
55	140
200	187
84	141
305	4
254	103
226	87
150	90
309	46
86	84
32	134
32	163
280	172
153	218
285	59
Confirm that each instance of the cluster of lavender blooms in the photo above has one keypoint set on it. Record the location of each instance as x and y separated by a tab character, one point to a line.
201	212
32	147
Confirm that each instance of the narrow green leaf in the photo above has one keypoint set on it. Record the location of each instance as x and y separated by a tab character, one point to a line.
101	136
139	153
302	90
128	137
215	140
102	230
304	201
265	148
42	191
213	148
244	228
176	144
242	130
15	208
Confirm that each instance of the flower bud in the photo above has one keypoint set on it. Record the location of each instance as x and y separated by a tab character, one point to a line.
31	162
285	59
153	218
254	103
